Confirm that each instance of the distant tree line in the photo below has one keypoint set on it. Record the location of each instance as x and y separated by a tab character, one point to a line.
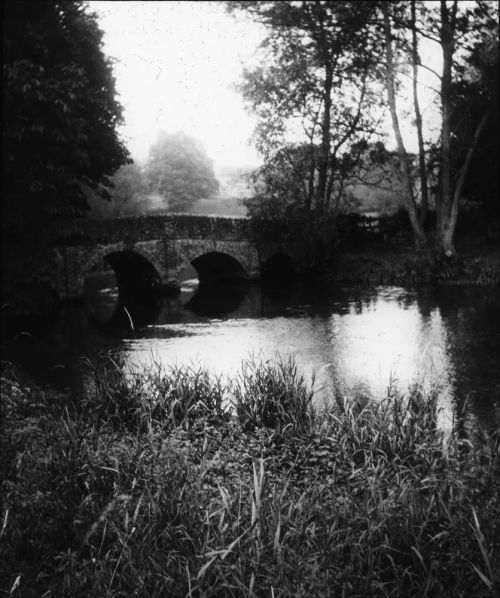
177	173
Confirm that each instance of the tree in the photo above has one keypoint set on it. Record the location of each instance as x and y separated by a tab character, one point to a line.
390	81
312	93
283	184
60	114
459	30
60	139
179	169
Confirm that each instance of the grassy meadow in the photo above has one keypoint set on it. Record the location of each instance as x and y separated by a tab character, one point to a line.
172	484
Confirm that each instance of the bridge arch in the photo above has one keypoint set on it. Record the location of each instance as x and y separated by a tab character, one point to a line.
134	271
218	266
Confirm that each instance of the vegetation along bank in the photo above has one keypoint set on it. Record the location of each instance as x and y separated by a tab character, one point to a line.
148	485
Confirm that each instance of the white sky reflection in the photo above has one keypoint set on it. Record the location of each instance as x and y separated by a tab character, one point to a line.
360	350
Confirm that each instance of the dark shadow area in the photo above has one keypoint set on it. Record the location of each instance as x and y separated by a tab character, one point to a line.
278	278
131	316
280	293
214	300
31	310
217	267
278	270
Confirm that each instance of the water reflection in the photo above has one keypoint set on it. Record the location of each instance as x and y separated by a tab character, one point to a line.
118	311
361	343
216	300
350	340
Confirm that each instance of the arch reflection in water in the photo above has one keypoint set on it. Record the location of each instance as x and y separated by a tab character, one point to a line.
132	315
122	291
214	300
109	308
100	297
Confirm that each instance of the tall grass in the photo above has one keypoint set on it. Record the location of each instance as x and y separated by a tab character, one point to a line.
273	395
164	397
138	498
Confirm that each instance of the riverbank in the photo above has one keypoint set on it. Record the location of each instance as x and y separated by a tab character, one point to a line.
387	265
148	486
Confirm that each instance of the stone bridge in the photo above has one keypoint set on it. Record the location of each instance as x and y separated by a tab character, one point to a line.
163	250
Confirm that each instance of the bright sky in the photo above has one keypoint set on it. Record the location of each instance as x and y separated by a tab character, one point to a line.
176	63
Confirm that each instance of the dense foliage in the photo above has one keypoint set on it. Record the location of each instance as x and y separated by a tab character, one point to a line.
60	141
179	170
60	114
476	94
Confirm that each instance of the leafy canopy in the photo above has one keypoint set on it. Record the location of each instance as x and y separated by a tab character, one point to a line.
60	114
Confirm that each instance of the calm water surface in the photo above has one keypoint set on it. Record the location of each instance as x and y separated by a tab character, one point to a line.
351	340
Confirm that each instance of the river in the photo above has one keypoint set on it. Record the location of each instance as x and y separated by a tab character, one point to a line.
347	340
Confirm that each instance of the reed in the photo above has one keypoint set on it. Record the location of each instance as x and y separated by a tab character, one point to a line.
273	395
366	500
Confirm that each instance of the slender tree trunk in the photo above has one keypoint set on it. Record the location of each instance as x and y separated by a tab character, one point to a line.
310	182
329	183
444	236
419	234
418	121
312	164
324	150
449	230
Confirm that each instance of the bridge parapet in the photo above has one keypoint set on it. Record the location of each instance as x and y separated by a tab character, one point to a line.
207	227
143	228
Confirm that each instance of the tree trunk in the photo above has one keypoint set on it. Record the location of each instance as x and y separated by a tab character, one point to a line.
329	183
444	234
310	182
418	232
324	150
418	121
